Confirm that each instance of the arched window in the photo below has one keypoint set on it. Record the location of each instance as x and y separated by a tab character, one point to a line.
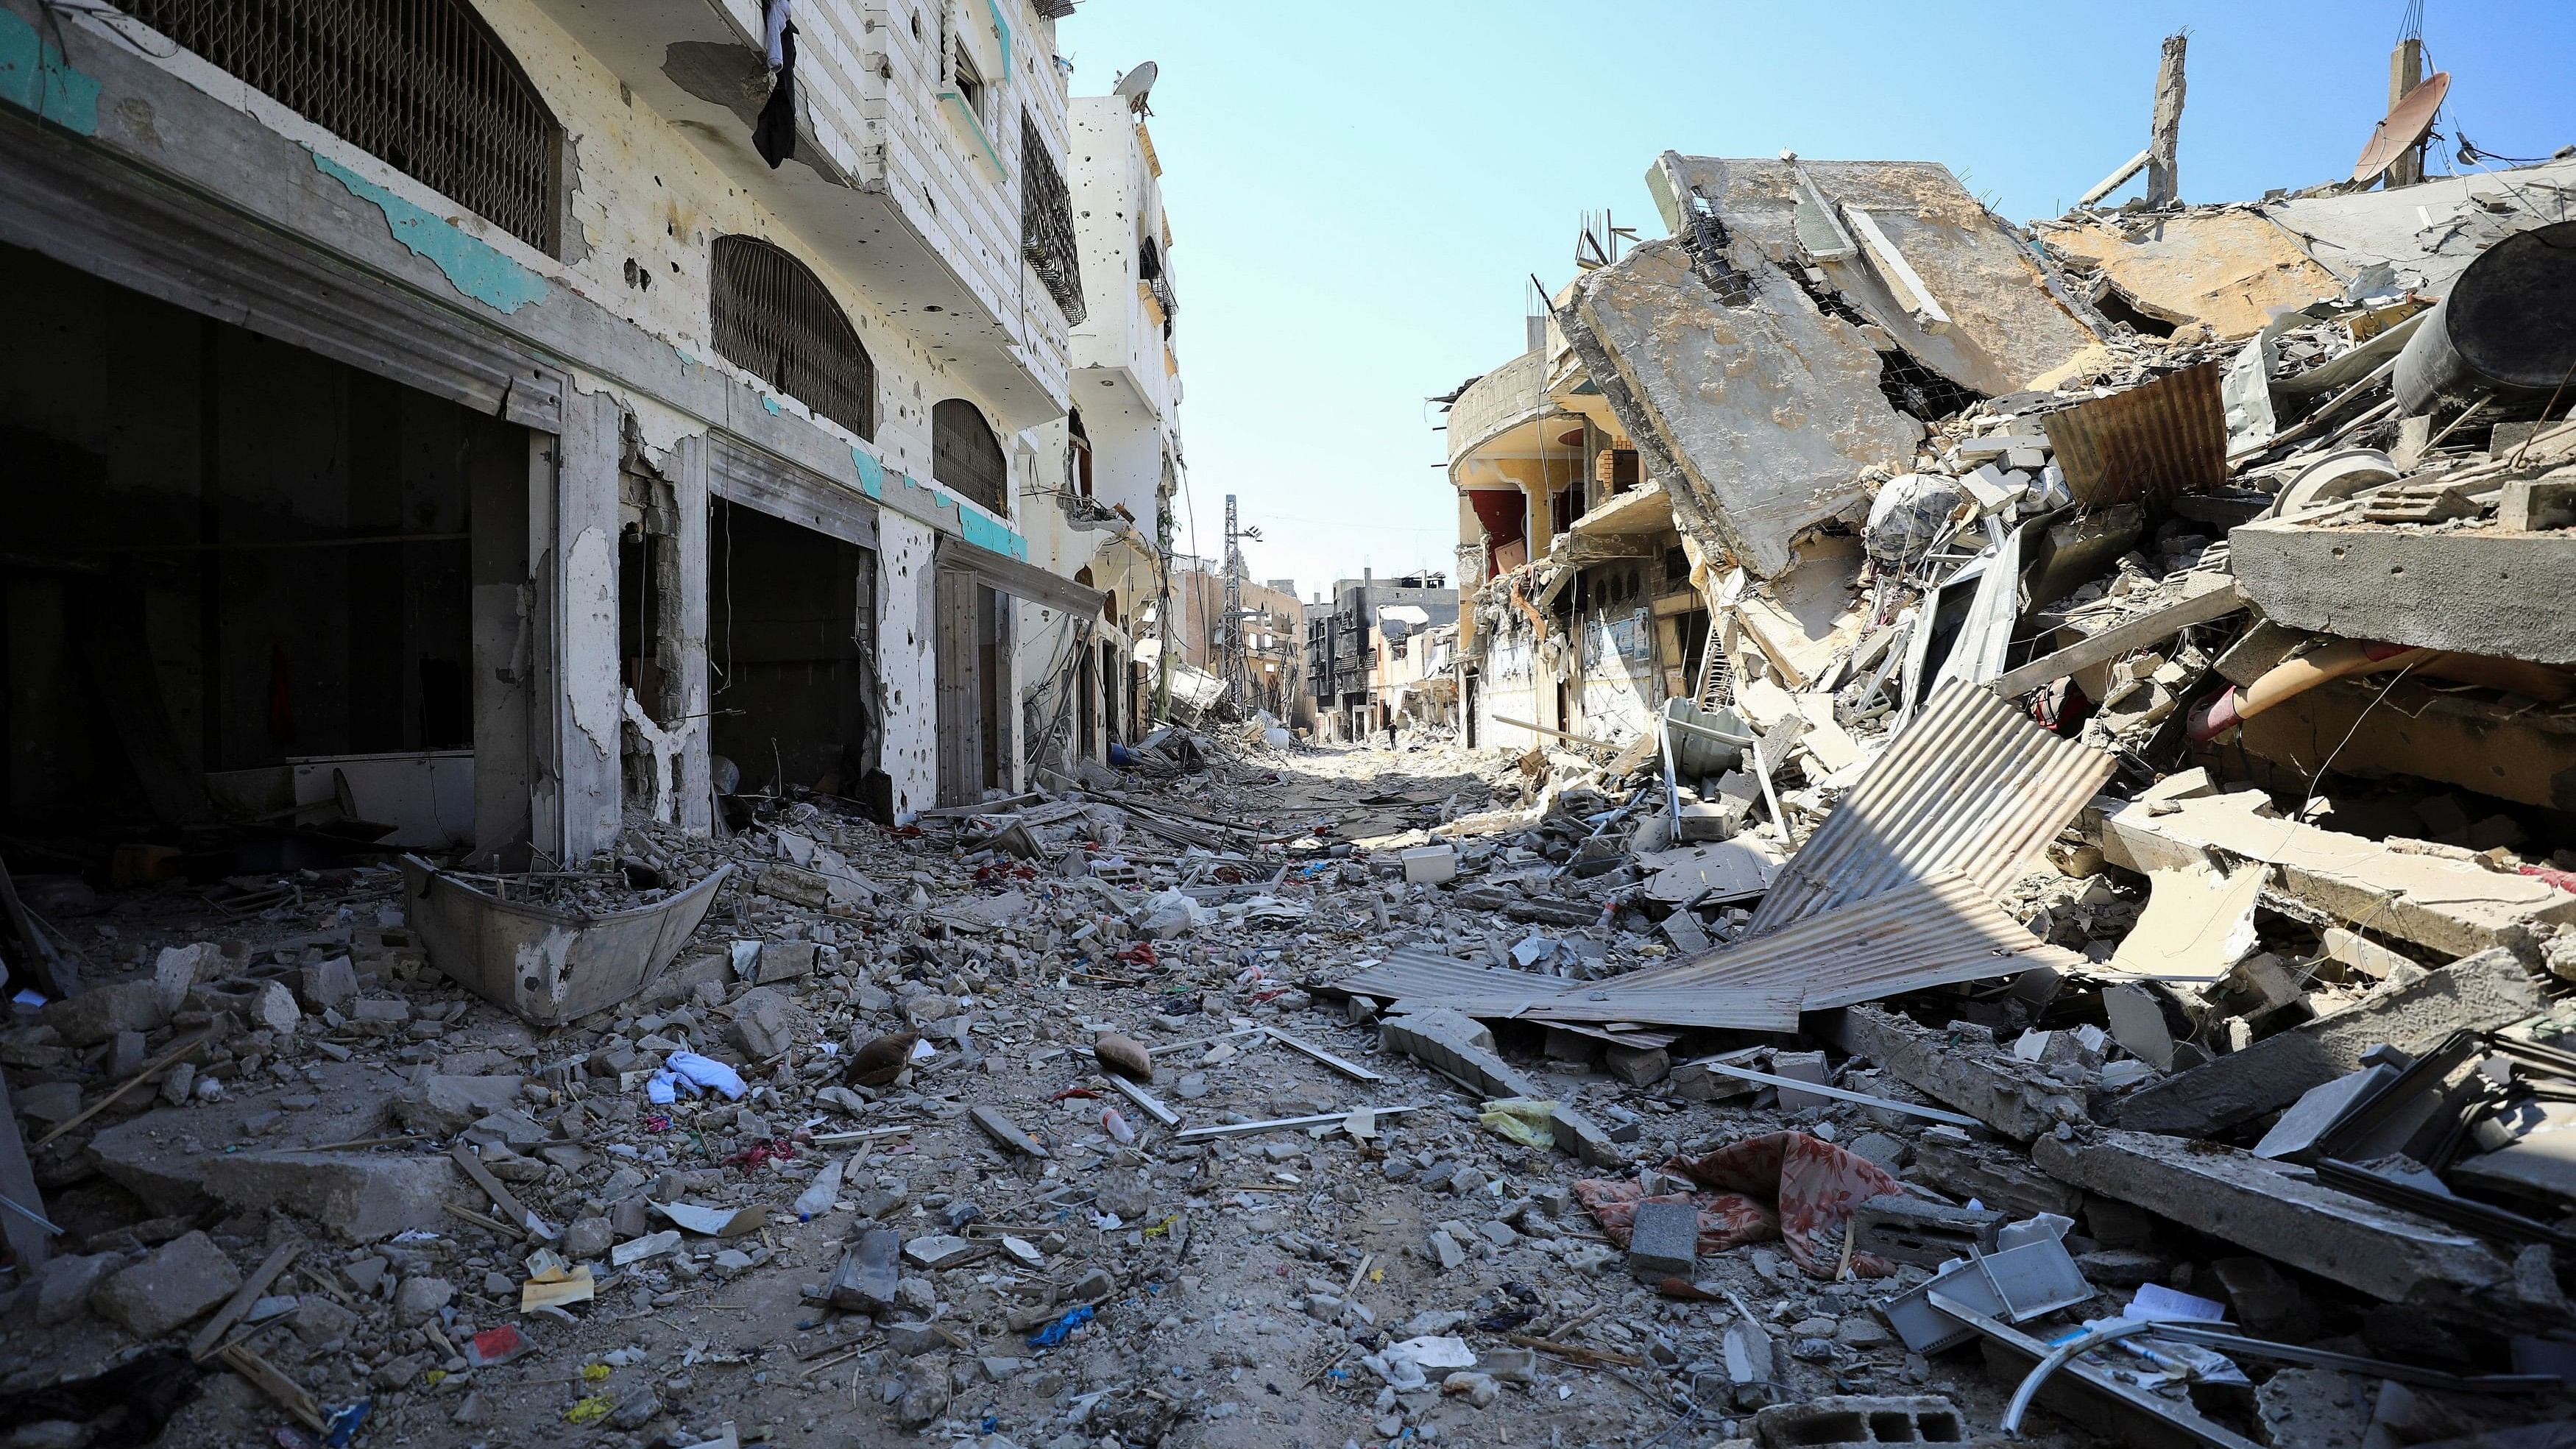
774	317
965	457
422	85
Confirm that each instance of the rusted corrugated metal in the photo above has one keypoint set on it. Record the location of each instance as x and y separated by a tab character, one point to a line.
1971	786
2146	444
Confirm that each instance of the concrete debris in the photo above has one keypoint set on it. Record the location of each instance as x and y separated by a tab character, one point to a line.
2014	791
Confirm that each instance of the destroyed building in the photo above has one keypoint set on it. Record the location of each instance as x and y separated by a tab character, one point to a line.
1997	862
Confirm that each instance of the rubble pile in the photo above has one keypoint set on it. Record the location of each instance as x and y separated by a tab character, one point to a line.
2084	953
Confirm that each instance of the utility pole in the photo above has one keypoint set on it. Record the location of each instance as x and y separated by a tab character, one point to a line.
1233	661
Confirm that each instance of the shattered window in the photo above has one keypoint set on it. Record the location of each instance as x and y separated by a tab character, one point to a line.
1046	222
774	317
422	85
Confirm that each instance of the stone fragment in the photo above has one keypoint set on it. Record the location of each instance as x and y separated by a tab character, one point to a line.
170	1288
1638	1066
179	967
64	1285
329	985
418	1299
98	1014
440	1105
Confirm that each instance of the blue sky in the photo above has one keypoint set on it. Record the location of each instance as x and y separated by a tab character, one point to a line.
1359	191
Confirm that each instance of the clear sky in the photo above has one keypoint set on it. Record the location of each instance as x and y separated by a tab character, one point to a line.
1359	191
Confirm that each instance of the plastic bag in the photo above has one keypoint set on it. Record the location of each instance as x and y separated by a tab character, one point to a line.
1524	1120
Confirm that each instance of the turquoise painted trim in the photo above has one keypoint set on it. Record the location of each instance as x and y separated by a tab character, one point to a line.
35	76
982	531
771	403
957	103
472	266
1004	27
871	473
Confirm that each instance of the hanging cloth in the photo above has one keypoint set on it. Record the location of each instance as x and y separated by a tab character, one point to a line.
775	34
774	135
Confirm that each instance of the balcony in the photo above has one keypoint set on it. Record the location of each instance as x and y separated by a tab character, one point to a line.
885	188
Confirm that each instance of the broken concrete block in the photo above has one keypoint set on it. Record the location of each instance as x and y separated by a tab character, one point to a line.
795	886
2258	1205
1803	1067
1429	864
1453	1043
439	1105
170	1288
2480	992
1638	1066
328	985
180	967
2308	1408
1911	1230
2265	1301
275	1009
419	1299
98	1014
64	1285
47	1103
361	1197
785	961
379	1011
2534	505
2016	1098
1663	1242
762	1027
1855	1419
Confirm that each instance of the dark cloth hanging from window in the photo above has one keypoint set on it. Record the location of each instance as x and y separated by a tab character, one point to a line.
774	137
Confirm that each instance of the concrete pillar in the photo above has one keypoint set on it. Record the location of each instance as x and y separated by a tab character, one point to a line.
572	496
503	645
696	812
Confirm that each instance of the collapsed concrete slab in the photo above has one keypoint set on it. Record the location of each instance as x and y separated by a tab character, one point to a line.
1961	1067
2287	1216
2477	993
1452	1043
2455	906
361	1197
1758	411
2470	590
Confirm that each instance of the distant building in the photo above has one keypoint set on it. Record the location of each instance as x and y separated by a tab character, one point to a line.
1347	639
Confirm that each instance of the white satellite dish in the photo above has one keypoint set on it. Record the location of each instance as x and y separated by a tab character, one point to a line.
1133	86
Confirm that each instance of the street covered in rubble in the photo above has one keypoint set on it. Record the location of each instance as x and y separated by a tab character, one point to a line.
1981	844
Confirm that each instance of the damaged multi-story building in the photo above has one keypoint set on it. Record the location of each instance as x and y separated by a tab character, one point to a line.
490	419
1698	417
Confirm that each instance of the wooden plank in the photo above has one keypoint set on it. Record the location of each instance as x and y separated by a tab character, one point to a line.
2213	596
517	1213
212	1335
289	1395
150	1070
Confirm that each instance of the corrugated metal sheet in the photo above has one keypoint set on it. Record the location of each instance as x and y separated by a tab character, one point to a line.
2148	443
1926	933
1931	932
1971	786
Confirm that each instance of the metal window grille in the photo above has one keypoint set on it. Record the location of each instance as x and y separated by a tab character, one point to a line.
776	318
1046	223
422	85
965	457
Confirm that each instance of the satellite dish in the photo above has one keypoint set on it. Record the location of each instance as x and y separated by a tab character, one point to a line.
2404	126
1133	86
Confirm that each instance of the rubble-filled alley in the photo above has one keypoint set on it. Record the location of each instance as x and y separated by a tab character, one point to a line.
1983	846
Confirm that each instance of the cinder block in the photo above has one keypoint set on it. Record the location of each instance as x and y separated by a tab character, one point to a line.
1859	1419
1664	1241
1912	1230
1430	864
